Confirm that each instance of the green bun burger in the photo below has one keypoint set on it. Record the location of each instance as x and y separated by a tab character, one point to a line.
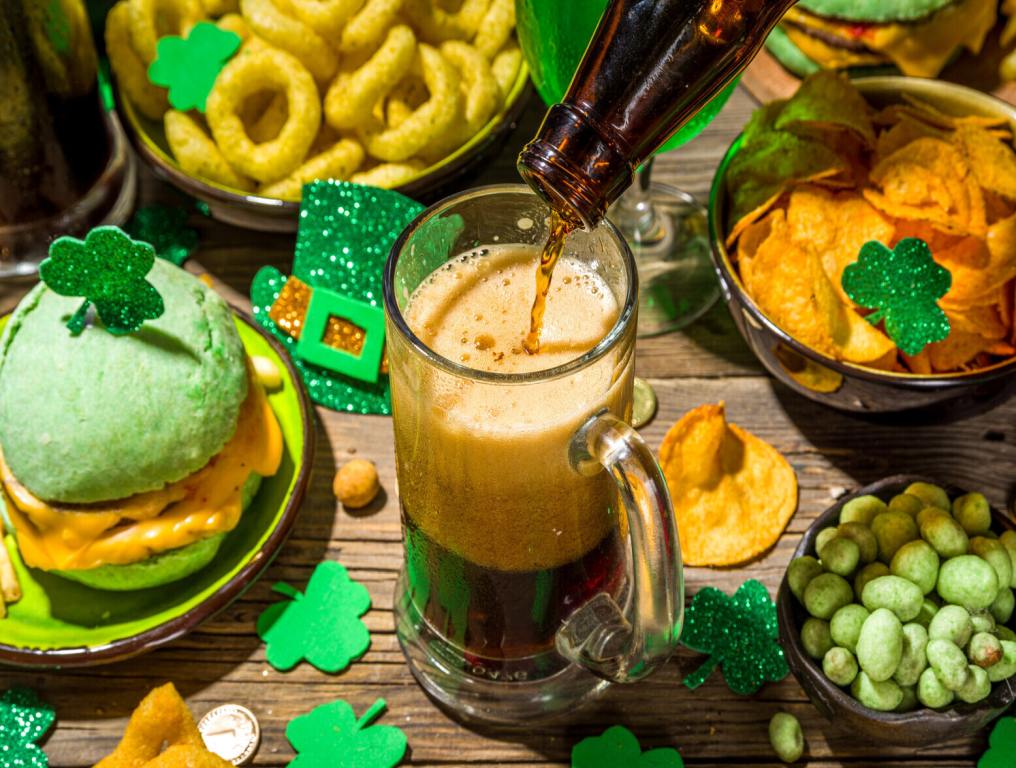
126	460
915	37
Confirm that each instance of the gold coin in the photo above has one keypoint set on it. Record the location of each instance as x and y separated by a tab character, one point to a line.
231	732
644	406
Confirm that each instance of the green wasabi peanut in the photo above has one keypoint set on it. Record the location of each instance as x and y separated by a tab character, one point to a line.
969	581
815	638
892	530
870	572
841	555
845	626
1006	668
976	688
928	610
1008	540
904	502
985	650
949	663
801	571
916	561
914	659
930	494
973	513
883	696
996	555
824	537
982	621
1003	606
861	535
902	597
909	702
785	737
952	623
880	644
945	535
826	594
1004	633
840	666
863	509
931	692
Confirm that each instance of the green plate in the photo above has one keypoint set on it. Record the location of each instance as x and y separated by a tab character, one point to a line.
61	623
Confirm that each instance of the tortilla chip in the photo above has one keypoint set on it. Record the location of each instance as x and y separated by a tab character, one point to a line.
733	493
992	161
977	286
827	101
906	129
985	322
919	363
959	349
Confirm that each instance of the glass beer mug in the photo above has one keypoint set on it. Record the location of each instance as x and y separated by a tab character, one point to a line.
541	555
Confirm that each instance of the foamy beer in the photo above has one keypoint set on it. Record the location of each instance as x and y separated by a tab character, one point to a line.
541	556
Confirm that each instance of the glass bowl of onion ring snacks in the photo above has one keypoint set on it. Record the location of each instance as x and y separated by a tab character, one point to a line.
401	94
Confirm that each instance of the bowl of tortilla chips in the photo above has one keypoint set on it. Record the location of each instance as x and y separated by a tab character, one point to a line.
880	163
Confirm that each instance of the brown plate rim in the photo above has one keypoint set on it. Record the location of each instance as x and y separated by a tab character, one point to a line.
177	627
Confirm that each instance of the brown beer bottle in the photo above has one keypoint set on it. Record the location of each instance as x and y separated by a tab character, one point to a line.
651	65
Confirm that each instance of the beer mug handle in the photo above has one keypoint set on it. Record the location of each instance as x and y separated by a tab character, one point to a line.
598	635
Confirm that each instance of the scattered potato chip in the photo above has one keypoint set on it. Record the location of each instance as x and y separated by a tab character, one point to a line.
733	493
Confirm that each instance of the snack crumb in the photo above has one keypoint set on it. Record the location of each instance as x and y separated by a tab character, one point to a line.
356	483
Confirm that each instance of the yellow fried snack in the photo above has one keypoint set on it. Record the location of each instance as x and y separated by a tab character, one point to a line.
430	120
197	154
495	28
162	734
246	75
479	88
148	16
368	27
353	95
733	493
505	68
388	175
233	22
220	7
326	17
338	162
130	72
266	123
436	25
292	36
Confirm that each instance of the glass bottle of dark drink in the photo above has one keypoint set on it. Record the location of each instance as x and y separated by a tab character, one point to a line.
650	67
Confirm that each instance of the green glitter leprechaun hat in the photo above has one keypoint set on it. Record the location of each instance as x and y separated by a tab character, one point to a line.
328	313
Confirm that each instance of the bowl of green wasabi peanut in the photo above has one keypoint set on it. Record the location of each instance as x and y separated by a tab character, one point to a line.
896	612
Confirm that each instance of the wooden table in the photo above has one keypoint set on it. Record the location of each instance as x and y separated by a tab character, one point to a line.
224	661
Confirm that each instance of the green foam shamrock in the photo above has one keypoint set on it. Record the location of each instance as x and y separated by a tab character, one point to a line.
617	747
903	286
24	719
108	269
739	632
165	227
322	626
345	233
189	65
1002	746
330	736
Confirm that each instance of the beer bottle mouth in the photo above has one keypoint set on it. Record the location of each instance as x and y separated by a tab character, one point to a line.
575	165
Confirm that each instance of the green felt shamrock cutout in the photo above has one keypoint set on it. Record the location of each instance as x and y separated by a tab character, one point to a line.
617	747
189	65
903	286
165	227
330	736
108	269
1001	751
24	719
739	632
322	626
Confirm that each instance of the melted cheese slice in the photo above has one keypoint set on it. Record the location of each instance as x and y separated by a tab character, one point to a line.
920	49
79	537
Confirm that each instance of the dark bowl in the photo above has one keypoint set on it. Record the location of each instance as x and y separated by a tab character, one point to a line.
920	727
847	386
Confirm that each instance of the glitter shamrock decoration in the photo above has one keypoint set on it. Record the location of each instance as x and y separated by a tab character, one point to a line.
24	719
330	736
1001	745
188	66
739	632
617	746
108	269
165	227
322	626
903	286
